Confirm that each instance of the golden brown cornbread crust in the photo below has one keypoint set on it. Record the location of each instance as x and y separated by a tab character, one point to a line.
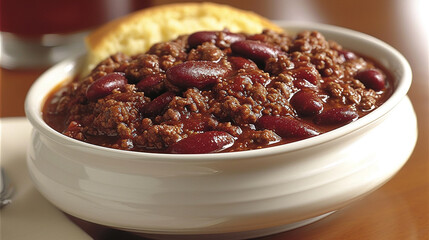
135	33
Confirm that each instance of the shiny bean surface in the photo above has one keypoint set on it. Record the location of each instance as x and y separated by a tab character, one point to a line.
372	78
199	38
199	74
333	116
150	84
207	142
103	86
158	105
286	126
255	50
306	103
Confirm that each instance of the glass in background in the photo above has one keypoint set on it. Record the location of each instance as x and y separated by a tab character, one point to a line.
38	34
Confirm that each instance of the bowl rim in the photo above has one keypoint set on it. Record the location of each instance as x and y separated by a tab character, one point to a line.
68	67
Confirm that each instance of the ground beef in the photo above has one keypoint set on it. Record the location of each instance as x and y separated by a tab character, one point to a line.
115	63
141	66
207	51
160	136
170	53
264	87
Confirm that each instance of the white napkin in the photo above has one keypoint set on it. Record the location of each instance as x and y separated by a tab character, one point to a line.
30	215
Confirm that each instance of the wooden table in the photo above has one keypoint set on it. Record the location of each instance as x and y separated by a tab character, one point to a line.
398	210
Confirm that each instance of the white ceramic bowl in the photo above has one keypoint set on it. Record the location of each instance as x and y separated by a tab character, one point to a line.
227	195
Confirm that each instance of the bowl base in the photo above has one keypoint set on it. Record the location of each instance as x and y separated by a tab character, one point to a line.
235	235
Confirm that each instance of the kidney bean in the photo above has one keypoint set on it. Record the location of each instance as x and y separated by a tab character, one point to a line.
199	74
196	123
150	84
242	63
158	105
371	78
333	116
104	86
198	38
309	74
207	142
233	37
286	126
306	103
255	50
347	55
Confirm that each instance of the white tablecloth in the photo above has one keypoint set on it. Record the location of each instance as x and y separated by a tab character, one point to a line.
30	215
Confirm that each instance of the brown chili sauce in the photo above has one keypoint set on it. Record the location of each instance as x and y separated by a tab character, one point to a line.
218	91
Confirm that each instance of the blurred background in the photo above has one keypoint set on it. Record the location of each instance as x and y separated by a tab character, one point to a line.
37	34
